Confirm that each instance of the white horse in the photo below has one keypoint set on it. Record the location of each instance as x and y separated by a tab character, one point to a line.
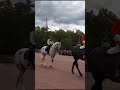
52	52
21	64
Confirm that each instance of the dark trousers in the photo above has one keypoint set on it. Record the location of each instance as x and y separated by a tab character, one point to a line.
32	55
48	48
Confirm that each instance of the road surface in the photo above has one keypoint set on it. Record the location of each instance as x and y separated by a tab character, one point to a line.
107	84
60	76
8	76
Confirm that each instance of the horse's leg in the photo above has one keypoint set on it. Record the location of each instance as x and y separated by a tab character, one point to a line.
52	61
23	88
43	58
20	76
98	83
19	68
76	63
73	67
19	79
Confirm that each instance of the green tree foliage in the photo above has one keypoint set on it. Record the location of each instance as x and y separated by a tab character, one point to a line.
68	38
97	25
67	43
16	22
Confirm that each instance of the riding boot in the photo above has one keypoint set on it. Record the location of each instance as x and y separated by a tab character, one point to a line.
49	46
48	49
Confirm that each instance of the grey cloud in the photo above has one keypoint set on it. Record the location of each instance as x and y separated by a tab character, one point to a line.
67	12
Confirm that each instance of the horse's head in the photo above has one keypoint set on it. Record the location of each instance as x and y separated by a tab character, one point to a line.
57	46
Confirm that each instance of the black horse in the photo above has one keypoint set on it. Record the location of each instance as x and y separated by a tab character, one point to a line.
77	53
102	65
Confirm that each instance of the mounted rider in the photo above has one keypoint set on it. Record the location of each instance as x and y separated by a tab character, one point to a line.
32	39
116	48
49	43
82	47
83	42
116	38
31	52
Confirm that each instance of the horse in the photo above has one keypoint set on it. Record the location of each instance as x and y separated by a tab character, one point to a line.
22	63
52	52
102	65
77	53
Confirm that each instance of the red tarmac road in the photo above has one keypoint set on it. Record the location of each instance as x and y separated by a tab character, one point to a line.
107	84
9	74
60	76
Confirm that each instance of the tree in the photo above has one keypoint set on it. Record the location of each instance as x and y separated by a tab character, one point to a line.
68	38
15	25
67	43
96	25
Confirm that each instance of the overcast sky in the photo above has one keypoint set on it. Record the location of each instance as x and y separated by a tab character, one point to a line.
68	15
113	5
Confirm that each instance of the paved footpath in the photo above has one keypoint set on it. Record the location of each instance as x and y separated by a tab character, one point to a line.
107	84
60	76
8	77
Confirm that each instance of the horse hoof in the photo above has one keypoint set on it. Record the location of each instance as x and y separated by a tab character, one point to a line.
73	73
81	75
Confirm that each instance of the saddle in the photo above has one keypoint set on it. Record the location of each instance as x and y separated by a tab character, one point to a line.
47	48
29	55
83	53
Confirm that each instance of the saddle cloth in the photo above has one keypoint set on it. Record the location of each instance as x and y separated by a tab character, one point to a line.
29	55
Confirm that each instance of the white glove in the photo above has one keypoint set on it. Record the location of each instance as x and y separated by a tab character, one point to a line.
83	42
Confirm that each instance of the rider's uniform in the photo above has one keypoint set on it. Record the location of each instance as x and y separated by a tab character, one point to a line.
83	42
32	47
116	38
50	43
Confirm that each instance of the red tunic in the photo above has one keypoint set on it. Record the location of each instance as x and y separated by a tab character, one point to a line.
83	38
116	29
